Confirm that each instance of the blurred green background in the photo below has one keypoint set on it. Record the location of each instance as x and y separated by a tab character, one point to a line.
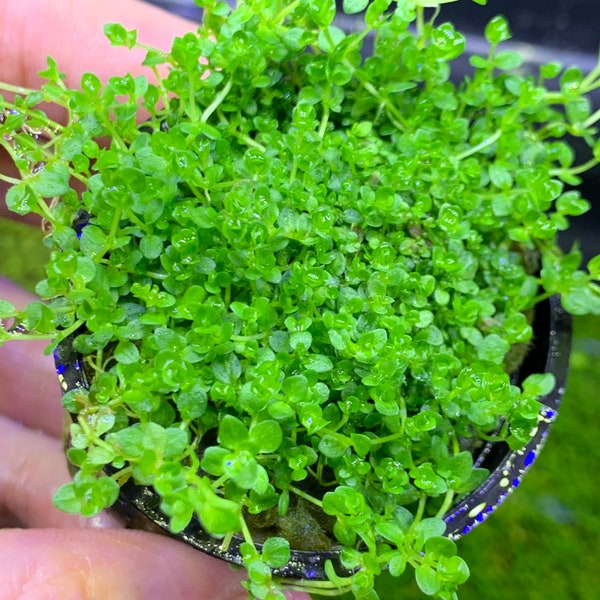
544	542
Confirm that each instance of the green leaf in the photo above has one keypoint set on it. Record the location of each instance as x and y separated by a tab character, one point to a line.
570	203
102	422
492	348
213	460
322	11
497	30
39	317
127	352
329	39
300	338
351	7
7	310
448	42
192	403
594	267
151	246
20	199
218	515
518	330
438	546
87	494
244	469
425	478
539	384
428	528
454	569
334	445
227	369
66	499
266	436
427	580
500	176
295	387
507	60
319	363
276	552
52	180
582	300
232	432
397	564
119	36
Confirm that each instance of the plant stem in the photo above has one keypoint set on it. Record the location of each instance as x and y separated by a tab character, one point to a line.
322	588
246	533
282	14
192	105
446	504
420	510
249	141
492	139
210	109
420	22
8	179
16	89
246	338
392	112
591	120
111	235
387	438
71	329
306	496
324	121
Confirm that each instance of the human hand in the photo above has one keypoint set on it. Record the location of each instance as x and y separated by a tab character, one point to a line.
44	553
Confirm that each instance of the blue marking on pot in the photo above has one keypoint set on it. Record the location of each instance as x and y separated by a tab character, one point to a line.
82	218
529	458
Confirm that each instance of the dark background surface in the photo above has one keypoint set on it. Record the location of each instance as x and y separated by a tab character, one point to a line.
572	25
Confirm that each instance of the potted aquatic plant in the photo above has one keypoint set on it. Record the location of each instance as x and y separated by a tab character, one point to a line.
304	291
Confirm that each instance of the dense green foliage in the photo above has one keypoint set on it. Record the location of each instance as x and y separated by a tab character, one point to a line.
298	281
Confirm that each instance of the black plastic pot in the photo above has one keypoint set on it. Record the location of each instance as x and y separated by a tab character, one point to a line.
140	505
552	330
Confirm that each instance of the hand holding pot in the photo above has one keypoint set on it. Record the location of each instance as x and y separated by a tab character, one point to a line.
43	552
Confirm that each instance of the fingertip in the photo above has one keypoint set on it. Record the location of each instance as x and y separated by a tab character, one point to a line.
71	31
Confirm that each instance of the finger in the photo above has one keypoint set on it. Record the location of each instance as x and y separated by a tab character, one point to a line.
33	466
115	564
29	389
71	31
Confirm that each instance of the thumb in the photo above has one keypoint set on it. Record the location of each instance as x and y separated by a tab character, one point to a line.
109	564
